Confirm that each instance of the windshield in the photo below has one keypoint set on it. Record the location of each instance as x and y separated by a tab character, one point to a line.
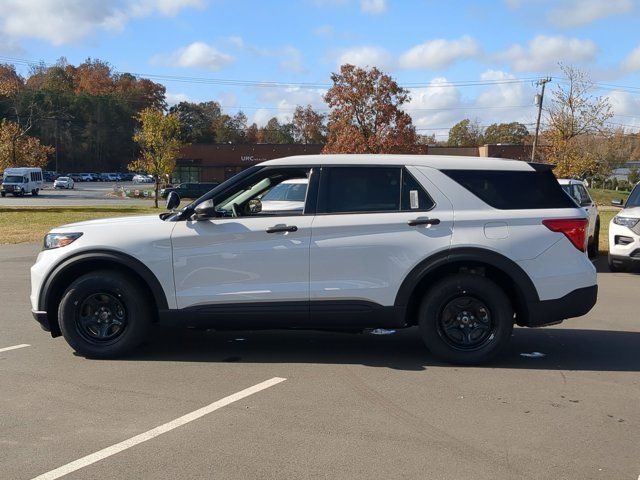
63	179
634	198
291	192
14	179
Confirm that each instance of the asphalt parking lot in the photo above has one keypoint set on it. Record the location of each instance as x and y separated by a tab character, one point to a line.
350	406
83	193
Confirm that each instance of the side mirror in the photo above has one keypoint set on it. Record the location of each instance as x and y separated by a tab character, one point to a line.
255	206
173	200
617	202
205	211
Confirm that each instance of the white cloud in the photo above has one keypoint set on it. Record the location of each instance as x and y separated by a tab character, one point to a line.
66	21
439	53
366	56
435	106
284	101
373	7
545	52
290	58
632	61
627	106
196	55
575	13
175	98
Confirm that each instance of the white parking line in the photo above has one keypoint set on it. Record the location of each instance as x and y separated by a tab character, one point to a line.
15	347
143	437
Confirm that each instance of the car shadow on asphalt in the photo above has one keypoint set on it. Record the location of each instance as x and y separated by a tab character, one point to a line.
561	349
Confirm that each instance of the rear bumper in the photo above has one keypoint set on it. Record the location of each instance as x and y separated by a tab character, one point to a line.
575	304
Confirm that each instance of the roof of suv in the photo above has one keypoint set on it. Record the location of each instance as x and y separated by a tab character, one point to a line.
449	162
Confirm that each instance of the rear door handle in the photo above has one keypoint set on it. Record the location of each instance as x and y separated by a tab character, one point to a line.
423	221
282	228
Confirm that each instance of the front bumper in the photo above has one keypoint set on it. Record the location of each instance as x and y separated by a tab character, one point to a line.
575	304
627	262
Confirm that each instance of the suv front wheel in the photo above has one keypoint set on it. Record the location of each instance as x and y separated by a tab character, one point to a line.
465	319
104	314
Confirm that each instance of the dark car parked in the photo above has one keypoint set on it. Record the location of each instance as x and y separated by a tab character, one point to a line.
188	190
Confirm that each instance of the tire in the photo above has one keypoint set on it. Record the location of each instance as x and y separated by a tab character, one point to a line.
34	192
115	312
450	319
3	194
594	245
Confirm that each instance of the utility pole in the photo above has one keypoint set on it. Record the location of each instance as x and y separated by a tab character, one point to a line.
539	99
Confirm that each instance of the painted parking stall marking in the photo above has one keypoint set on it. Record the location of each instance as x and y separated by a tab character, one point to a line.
14	347
148	435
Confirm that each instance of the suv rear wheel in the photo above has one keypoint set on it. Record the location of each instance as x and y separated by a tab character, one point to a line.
465	319
104	314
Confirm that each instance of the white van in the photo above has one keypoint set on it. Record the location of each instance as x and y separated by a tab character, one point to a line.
19	181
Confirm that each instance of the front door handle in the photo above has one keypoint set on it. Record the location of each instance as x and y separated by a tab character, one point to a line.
282	228
424	221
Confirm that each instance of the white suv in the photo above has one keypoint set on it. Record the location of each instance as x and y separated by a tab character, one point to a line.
577	191
624	234
462	247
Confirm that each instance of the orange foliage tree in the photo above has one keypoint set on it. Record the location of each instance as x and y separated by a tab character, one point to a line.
365	114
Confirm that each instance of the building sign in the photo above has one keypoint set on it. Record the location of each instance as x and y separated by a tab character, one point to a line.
251	158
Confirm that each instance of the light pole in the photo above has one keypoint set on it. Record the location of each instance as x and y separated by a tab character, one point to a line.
539	99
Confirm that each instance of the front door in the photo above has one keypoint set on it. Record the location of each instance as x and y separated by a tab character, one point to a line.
245	258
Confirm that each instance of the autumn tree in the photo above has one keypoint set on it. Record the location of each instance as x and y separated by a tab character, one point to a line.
573	114
466	133
365	113
633	176
276	132
308	126
17	149
197	120
159	141
513	133
231	129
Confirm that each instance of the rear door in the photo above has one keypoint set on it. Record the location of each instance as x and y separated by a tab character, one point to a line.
373	225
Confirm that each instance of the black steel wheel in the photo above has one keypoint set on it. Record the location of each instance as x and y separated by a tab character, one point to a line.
105	314
465	323
465	319
101	318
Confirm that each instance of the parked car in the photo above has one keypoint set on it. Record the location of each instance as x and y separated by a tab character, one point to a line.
577	191
188	190
110	177
49	176
126	177
286	196
95	177
76	177
140	178
64	182
624	234
462	247
21	180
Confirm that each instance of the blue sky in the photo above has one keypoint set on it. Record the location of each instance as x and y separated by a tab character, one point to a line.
432	46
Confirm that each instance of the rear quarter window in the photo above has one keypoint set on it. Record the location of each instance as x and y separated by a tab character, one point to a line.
513	190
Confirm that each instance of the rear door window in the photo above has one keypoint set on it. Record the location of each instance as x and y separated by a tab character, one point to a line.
360	189
513	190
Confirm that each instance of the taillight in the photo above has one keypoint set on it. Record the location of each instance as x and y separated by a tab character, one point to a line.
575	229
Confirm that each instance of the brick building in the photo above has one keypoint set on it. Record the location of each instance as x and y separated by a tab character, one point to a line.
217	162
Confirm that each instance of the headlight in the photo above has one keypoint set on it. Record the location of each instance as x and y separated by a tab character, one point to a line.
57	240
626	221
